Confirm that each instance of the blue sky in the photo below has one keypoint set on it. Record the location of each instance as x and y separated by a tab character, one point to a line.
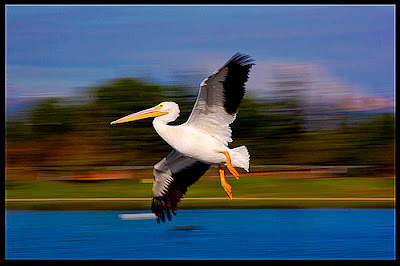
54	50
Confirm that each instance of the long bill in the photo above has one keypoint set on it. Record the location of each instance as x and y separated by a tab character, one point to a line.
151	112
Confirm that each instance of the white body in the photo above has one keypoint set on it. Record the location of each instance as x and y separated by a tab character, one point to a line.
199	143
192	142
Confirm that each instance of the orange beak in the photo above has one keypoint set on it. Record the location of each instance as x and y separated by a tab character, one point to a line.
151	112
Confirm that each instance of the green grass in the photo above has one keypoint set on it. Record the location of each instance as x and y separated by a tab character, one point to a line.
77	189
208	186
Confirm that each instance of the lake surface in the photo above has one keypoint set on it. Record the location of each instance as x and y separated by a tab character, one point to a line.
203	234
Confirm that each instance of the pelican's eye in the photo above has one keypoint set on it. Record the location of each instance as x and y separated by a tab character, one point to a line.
160	106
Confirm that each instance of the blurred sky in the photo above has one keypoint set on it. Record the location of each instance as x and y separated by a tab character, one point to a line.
53	50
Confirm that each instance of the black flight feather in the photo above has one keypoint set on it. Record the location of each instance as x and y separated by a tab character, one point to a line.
238	73
162	205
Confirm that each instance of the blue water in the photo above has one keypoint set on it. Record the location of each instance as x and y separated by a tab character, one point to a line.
219	234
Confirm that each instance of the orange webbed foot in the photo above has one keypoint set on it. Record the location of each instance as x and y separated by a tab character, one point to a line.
224	184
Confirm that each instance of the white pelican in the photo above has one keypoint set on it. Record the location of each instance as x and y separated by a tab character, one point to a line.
202	140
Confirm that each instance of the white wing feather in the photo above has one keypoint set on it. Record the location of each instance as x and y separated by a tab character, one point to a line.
208	113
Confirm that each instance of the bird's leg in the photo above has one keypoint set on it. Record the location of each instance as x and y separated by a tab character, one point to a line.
224	184
229	165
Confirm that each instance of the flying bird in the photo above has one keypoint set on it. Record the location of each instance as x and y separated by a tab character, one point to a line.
202	141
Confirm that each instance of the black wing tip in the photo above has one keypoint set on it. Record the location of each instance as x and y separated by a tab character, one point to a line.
238	73
161	208
241	59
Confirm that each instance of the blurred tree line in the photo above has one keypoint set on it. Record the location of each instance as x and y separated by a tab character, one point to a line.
74	134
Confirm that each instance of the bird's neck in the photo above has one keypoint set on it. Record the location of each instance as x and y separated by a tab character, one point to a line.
160	124
164	130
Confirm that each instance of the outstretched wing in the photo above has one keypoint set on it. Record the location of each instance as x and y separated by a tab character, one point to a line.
220	96
172	176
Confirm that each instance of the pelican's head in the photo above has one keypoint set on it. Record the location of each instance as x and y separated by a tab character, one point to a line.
168	110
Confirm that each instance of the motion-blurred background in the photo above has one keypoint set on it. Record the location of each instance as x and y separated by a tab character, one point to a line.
320	97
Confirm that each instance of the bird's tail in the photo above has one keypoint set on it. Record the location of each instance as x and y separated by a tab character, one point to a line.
240	157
